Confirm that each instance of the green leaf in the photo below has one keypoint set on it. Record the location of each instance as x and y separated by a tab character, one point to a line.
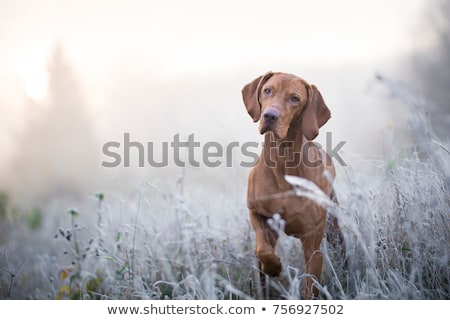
73	212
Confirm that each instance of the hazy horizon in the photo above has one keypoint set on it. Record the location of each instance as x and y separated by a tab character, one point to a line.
156	70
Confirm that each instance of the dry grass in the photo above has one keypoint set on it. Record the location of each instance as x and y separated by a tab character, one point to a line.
173	245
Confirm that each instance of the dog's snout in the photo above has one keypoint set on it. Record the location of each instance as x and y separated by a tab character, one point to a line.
271	115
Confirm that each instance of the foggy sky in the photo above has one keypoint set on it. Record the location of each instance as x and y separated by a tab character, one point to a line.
156	69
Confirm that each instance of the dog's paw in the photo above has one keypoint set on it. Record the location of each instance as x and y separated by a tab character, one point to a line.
271	265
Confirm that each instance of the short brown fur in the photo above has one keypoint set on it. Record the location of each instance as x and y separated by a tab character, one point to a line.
290	112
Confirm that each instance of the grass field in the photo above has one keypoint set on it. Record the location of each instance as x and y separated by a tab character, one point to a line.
172	241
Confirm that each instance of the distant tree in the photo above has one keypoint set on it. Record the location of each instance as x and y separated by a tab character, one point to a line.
430	68
57	150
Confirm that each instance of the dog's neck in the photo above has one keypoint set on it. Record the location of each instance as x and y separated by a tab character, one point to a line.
284	154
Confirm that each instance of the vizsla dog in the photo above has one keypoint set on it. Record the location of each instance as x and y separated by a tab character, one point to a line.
290	112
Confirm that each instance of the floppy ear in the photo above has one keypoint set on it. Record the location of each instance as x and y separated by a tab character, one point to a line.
250	94
316	113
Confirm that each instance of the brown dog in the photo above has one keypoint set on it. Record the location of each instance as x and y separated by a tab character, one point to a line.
290	112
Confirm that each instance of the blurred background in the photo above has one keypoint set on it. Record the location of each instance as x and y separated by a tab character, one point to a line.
78	74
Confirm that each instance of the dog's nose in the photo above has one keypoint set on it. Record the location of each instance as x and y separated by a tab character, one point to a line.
271	115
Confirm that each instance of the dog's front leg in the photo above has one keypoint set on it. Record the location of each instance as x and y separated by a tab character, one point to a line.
269	262
314	261
266	239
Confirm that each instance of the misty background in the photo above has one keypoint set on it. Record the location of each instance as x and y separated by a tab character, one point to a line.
76	75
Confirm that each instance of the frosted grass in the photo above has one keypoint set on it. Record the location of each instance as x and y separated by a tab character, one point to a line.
173	244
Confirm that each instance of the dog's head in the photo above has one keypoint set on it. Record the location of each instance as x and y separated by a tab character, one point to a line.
281	100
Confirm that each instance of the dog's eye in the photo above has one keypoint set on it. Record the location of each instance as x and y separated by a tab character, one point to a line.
294	99
268	91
